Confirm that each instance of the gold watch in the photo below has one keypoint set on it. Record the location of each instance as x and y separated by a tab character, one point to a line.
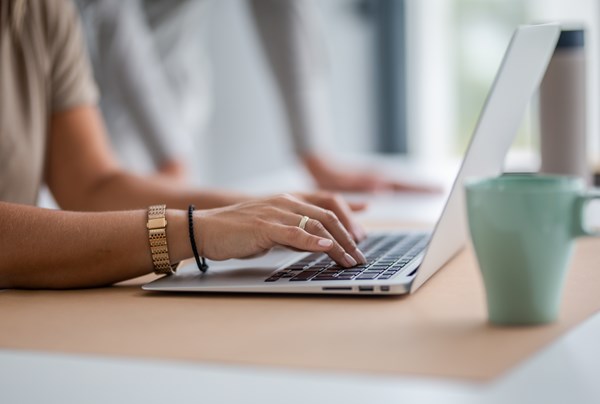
157	235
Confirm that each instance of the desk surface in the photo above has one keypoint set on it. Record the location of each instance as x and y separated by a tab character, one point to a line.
565	372
439	331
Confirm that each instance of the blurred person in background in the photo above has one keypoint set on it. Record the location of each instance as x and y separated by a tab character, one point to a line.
154	76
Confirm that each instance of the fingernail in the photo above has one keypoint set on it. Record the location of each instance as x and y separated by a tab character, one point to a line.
361	257
325	242
348	260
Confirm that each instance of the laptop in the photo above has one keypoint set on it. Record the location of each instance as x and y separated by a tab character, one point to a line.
399	262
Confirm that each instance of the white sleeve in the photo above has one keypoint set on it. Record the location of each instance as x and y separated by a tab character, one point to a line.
126	55
290	37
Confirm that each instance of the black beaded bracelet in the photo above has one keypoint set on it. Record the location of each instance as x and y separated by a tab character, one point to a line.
200	261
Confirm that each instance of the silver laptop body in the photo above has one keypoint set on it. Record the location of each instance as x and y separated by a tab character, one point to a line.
420	255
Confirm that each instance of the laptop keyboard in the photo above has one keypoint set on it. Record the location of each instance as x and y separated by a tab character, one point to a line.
386	256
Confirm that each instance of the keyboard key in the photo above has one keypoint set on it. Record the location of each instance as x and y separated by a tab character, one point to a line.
386	256
350	272
324	278
335	269
314	257
386	260
304	276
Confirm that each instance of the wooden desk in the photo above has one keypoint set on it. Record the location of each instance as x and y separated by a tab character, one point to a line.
439	331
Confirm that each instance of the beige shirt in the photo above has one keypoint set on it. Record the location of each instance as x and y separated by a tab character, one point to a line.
43	69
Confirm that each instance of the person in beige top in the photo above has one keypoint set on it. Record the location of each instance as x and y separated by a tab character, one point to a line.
51	132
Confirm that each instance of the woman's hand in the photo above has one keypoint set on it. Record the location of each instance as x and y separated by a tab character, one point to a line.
254	227
340	207
334	177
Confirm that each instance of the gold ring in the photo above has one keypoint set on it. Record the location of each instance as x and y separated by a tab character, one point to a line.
303	221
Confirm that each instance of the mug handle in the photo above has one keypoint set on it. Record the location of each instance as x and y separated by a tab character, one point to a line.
580	204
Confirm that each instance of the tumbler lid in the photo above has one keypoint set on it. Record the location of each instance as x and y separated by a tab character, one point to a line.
571	38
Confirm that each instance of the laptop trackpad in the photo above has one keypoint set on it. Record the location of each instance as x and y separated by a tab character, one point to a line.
253	268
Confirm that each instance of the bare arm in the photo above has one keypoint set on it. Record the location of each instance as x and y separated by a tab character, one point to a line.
43	248
83	174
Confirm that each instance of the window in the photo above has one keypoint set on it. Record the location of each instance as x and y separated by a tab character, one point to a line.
454	50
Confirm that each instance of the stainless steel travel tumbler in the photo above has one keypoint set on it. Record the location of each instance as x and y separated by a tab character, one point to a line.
563	109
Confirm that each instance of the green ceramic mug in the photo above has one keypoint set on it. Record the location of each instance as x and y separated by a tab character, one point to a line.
523	228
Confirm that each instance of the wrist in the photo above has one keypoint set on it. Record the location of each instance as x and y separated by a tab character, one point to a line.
194	240
177	235
200	232
222	199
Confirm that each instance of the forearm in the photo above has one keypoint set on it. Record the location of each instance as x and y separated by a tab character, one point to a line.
83	174
121	190
41	248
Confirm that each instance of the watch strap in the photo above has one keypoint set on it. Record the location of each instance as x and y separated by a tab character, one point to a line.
157	236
